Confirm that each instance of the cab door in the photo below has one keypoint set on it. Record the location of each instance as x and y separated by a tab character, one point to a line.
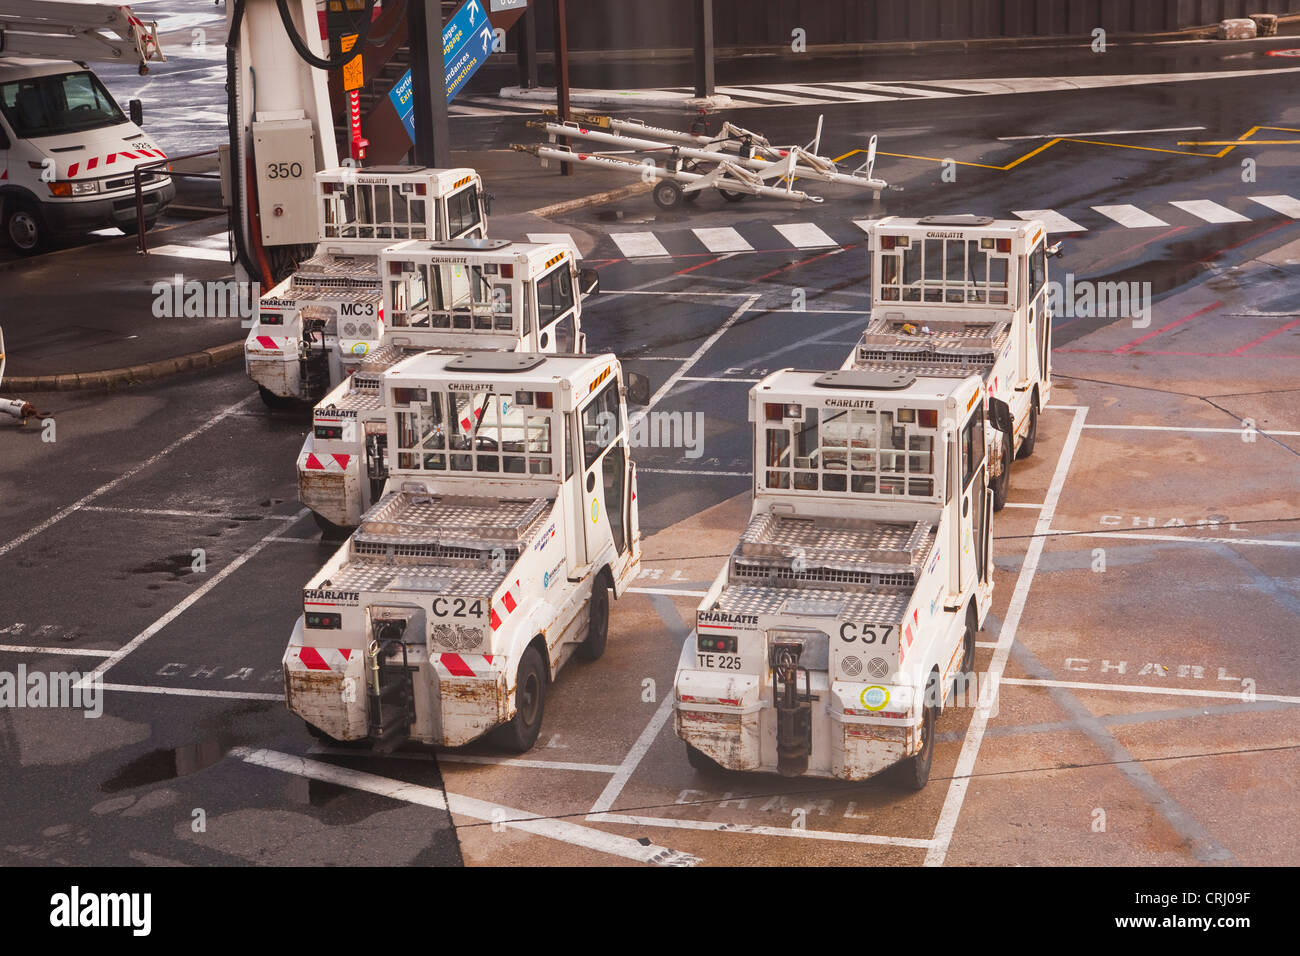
464	214
557	324
604	483
972	523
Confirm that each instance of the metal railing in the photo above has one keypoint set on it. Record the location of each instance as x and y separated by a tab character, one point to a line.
139	187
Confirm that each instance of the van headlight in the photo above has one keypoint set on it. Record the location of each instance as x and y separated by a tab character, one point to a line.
86	188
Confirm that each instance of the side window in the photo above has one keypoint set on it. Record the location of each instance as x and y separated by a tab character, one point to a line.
1037	270
421	437
462	211
972	447
554	295
601	423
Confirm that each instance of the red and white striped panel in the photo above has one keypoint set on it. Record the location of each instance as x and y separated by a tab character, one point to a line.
509	602
466	665
338	464
322	658
93	163
270	343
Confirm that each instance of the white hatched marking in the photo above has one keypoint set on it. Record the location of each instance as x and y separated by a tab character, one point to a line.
1052	219
638	245
723	239
805	235
192	252
1286	205
1210	211
566	237
1130	216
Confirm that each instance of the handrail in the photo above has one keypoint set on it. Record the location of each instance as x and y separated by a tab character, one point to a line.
139	186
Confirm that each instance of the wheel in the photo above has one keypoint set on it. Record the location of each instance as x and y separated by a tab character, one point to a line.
24	226
1031	436
1002	483
132	227
702	762
667	194
730	195
691	166
967	668
915	771
520	734
329	530
272	400
598	625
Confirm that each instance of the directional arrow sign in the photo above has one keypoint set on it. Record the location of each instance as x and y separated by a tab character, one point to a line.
466	44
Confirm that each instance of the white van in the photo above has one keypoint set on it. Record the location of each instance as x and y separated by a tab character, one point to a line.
67	152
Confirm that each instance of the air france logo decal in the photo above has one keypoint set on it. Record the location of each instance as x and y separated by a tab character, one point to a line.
595	510
360	348
874	697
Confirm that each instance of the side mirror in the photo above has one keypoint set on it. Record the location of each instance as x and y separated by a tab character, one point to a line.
1000	416
487	203
136	109
1055	250
638	389
588	281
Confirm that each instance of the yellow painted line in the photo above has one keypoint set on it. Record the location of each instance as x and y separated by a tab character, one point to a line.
1150	149
1241	142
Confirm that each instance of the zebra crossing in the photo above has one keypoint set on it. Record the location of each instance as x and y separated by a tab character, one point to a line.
757	236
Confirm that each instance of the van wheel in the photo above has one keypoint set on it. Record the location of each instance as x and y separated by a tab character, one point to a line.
702	762
520	734
24	227
1031	436
272	400
132	227
329	531
915	771
598	625
1002	483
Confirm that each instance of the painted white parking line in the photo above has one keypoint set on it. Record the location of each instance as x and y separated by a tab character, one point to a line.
1130	216
1286	205
183	606
191	252
1136	689
1266	542
637	245
625	770
718	378
759	94
970	747
920	92
1017	504
804	235
676	824
182	513
722	239
551	237
191	692
67	651
530	764
1209	211
677	592
1052	219
1101	132
110	485
460	805
1189	428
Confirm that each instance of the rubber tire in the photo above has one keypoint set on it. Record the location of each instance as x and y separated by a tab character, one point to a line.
967	666
730	195
598	626
130	228
703	763
667	194
1031	436
36	226
329	531
914	773
272	400
1002	484
519	735
691	166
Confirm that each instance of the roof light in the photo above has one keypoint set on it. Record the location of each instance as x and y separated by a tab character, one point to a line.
1004	245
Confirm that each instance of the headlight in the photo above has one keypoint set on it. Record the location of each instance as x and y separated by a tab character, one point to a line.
66	187
455	637
85	189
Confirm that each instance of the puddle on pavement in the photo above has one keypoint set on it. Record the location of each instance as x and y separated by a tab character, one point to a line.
159	765
306	792
177	565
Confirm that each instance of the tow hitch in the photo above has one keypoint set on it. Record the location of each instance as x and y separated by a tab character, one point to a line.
314	358
793	707
389	689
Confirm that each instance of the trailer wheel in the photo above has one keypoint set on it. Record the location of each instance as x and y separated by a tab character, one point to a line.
329	530
702	762
916	770
1002	483
598	625
1031	436
520	734
667	194
691	166
272	400
24	227
731	195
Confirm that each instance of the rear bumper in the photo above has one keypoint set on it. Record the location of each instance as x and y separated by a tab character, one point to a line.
329	483
326	687
272	362
86	215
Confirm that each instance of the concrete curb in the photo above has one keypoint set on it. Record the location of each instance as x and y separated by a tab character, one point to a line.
620	99
129	375
595	199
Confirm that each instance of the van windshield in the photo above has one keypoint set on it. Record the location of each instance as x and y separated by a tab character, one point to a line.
53	105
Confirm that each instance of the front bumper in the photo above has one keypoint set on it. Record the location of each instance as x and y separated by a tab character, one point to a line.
76	217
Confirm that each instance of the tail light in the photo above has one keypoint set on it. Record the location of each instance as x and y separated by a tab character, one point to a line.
1004	245
717	644
272	318
320	620
507	271
329	431
928	417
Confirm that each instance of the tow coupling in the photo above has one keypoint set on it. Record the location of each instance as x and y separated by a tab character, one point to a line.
793	707
389	689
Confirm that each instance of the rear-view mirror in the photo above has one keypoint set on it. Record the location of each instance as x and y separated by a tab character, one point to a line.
588	281
638	389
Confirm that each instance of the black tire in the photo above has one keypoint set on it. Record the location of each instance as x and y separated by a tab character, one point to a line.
520	734
329	531
1031	436
1002	484
730	195
132	227
691	166
598	626
967	667
272	400
702	762
914	773
667	194
24	227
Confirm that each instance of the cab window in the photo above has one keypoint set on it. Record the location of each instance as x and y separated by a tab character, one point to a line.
463	211
554	295
601	423
972	447
421	436
1037	270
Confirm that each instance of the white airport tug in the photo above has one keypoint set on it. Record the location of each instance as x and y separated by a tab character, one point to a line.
962	295
508	517
837	631
453	295
318	325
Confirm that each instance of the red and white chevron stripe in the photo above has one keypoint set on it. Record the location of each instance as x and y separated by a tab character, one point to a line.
508	604
93	162
466	665
321	658
270	343
323	462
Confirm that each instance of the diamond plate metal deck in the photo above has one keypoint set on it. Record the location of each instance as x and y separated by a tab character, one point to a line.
406	518
877	607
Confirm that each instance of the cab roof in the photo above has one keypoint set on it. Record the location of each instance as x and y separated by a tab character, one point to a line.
23	67
517	369
475	250
446	179
892	385
965	224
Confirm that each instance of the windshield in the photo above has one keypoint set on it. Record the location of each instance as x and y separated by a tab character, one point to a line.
394	211
483	432
53	105
452	296
944	270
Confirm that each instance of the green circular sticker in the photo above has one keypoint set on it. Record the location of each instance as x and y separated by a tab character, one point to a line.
874	697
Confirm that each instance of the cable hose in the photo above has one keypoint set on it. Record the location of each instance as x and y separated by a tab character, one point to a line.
232	123
363	35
